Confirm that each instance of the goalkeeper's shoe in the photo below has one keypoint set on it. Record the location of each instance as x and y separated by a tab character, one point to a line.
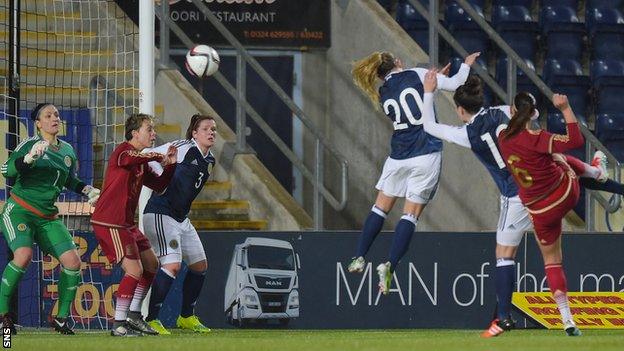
357	265
60	325
138	323
7	322
192	323
571	329
385	277
497	327
157	326
124	330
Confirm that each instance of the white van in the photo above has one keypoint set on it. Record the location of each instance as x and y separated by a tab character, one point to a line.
262	283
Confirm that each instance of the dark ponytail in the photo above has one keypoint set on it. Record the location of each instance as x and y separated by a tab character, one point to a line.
470	95
525	108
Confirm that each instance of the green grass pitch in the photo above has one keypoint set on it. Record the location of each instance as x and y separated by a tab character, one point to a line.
326	340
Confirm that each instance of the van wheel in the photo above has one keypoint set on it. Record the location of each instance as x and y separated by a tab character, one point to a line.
284	322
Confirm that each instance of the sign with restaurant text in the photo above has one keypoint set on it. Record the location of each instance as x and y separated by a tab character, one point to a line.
591	310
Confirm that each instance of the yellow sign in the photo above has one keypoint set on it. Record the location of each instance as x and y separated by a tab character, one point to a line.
591	310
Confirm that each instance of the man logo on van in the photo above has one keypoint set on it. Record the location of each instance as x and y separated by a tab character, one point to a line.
273	283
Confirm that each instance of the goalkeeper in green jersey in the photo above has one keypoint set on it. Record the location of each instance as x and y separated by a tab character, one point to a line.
42	166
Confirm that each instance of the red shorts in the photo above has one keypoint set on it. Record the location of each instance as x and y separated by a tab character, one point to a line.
118	243
547	214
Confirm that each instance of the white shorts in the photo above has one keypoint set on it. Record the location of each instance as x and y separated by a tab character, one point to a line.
415	179
513	221
173	241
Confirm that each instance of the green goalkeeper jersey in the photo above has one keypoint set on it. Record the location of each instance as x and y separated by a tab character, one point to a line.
39	184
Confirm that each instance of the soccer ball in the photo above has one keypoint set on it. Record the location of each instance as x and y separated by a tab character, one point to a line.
202	61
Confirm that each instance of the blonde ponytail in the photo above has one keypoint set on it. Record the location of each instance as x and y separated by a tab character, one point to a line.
366	71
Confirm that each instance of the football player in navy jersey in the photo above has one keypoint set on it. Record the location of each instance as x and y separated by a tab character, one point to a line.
412	170
170	231
480	134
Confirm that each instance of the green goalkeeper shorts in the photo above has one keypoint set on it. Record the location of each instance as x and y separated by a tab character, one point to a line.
21	228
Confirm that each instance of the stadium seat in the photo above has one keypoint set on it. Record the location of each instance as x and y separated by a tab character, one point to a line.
523	83
524	3
473	40
408	18
606	33
507	14
577	90
598	4
553	16
573	4
421	37
601	19
603	71
457	18
608	95
521	37
565	40
610	132
556	68
479	3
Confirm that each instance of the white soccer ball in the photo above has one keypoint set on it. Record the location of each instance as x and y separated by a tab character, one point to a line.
202	61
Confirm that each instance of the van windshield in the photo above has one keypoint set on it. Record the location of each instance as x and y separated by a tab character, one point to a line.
270	257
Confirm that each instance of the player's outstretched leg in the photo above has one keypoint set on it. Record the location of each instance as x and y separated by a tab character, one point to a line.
192	286
372	226
135	318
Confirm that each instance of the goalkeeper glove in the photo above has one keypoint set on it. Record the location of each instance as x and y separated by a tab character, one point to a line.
92	193
38	149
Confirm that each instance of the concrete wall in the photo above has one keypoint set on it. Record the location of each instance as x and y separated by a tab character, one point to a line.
467	198
251	180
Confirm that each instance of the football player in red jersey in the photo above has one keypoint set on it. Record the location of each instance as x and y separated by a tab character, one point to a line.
548	185
113	219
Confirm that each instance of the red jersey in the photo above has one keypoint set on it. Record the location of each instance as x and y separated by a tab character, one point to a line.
528	156
126	173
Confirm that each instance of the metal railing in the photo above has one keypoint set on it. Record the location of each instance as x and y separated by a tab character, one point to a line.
316	176
514	61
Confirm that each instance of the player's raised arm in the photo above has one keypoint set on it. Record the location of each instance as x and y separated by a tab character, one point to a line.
454	82
453	134
558	143
24	156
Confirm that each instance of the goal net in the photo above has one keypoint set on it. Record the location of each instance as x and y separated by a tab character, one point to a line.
80	56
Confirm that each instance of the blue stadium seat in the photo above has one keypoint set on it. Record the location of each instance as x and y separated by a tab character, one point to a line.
555	69
507	14
522	37
577	90
421	37
603	71
523	83
564	40
603	19
573	4
524	3
606	33
408	18
610	132
479	3
553	16
608	95
598	4
457	18
473	40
